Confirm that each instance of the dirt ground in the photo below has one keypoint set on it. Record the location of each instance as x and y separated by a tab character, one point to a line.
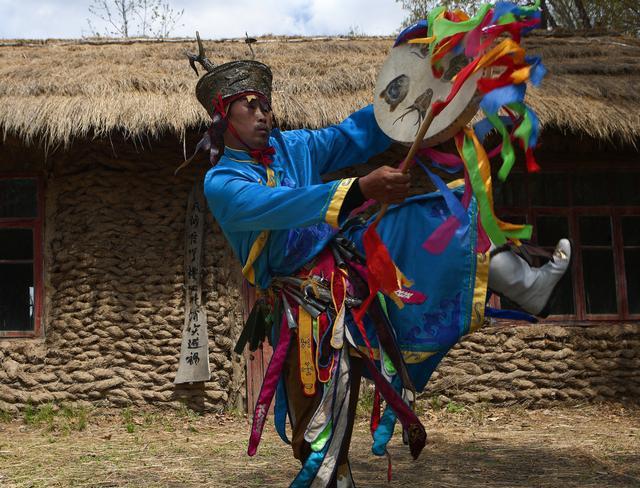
480	446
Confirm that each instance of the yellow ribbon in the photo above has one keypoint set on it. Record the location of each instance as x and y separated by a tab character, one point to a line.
305	351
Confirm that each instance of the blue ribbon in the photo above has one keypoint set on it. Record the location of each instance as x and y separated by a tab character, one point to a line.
455	207
419	29
509	314
504	95
485	126
382	435
538	70
535	128
310	468
281	411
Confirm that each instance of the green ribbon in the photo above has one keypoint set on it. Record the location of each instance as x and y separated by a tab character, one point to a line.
322	439
489	222
443	28
384	357
507	153
532	8
523	132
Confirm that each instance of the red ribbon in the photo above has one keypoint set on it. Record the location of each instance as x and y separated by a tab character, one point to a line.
220	106
263	156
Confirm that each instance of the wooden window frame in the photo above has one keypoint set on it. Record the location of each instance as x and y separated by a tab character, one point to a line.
573	214
36	225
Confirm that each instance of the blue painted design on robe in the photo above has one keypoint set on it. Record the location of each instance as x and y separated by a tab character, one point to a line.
447	279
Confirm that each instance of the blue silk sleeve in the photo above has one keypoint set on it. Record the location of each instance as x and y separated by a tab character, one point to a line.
353	141
242	204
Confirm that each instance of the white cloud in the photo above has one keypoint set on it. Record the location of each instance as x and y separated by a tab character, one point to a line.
213	18
377	17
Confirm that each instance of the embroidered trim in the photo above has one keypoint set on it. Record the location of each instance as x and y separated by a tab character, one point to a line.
336	201
479	292
305	351
256	248
238	160
242	160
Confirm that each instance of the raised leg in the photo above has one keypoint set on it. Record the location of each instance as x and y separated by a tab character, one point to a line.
530	288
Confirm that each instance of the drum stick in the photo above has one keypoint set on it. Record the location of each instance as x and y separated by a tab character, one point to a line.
408	160
422	131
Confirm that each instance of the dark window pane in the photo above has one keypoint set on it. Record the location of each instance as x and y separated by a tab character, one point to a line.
16	297
631	230
632	269
514	219
599	281
18	198
510	193
595	231
590	189
551	229
16	244
562	299
549	190
626	188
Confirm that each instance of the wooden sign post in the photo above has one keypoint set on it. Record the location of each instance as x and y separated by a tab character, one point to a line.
194	351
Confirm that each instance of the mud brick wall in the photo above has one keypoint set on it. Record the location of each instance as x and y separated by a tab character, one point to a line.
541	365
114	305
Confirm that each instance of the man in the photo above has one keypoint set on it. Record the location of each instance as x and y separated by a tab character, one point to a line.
291	233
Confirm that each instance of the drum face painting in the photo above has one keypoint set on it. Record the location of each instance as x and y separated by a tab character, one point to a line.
406	88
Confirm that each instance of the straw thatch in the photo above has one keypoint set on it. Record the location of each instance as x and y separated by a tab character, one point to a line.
61	90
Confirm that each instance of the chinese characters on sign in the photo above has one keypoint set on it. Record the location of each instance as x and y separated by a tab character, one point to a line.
194	351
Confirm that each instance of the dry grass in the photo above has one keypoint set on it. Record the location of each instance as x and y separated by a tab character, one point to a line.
481	446
60	90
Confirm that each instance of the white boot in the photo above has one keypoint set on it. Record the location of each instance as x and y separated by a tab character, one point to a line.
530	288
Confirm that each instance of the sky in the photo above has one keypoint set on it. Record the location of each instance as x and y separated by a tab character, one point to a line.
37	19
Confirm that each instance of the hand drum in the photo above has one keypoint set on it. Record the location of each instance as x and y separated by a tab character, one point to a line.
407	87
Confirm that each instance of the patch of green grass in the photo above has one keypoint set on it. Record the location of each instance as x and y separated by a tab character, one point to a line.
236	413
168	425
435	403
419	407
453	407
127	417
479	412
190	415
76	418
42	414
5	416
185	412
150	419
63	418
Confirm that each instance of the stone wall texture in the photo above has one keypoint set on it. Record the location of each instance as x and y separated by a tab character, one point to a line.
114	308
542	364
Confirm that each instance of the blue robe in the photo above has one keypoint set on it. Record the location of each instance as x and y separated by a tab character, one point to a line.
275	230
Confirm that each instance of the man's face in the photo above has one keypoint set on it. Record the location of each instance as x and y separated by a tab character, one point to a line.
252	119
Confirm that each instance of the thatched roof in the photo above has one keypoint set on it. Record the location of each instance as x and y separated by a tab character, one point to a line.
61	90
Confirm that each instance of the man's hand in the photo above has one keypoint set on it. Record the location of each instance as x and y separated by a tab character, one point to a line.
385	184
